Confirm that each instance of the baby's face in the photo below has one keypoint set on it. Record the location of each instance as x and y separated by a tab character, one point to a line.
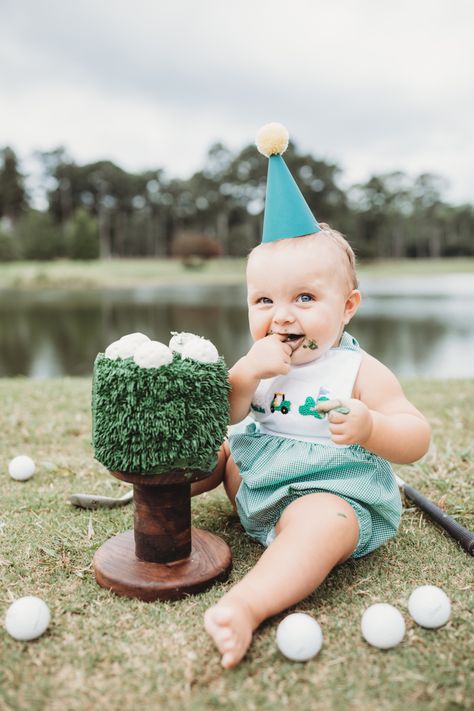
299	291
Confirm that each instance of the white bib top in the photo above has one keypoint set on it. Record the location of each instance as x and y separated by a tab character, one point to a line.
286	404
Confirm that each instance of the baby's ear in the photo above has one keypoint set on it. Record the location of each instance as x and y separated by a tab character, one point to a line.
351	305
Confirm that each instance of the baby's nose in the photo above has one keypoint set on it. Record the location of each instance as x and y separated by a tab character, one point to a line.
283	314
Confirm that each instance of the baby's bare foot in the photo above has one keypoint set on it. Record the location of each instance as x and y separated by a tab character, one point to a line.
230	623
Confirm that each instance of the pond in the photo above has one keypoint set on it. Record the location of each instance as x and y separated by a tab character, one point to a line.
418	327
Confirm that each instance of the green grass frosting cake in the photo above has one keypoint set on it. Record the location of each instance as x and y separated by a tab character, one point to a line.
157	408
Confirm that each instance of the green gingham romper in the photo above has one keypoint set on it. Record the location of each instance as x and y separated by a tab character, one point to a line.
287	452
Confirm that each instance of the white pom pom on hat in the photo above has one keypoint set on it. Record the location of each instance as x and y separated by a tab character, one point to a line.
272	139
287	214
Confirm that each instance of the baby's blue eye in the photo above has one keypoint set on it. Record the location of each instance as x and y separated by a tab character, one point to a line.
305	298
264	300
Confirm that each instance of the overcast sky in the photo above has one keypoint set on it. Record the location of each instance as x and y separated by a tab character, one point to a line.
372	85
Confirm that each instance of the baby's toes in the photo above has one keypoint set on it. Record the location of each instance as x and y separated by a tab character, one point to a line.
228	644
224	639
229	659
221	633
210	622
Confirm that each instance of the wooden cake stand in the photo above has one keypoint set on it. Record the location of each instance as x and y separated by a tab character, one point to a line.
163	557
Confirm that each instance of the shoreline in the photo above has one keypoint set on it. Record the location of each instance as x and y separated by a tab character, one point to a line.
134	273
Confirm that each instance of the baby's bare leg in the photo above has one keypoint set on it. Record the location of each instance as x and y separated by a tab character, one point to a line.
232	478
226	471
314	533
198	487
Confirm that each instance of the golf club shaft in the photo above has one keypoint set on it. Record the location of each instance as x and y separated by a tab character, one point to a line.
91	501
458	532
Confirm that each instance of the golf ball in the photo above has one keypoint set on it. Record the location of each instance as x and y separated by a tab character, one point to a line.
299	637
383	626
21	468
429	606
27	618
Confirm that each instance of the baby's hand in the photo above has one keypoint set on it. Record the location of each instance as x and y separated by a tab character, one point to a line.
350	421
269	356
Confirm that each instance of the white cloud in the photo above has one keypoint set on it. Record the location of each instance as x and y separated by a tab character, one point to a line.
370	85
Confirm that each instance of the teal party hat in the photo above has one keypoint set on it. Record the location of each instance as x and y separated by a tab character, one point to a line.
287	213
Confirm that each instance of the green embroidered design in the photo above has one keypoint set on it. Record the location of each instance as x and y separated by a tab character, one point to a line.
279	404
310	404
309	408
257	408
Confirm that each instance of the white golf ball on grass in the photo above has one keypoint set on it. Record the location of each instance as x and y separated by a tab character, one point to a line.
429	606
21	468
383	626
299	637
27	618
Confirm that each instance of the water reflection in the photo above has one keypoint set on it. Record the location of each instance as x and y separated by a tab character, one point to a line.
55	333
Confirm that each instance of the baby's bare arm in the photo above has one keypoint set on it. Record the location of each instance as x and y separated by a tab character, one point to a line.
243	384
268	357
399	432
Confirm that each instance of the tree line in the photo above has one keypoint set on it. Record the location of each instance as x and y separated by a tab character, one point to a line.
99	210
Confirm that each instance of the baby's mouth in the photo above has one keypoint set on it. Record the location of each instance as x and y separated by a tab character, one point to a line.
294	339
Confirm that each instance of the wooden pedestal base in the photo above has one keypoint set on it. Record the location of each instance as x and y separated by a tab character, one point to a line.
118	568
163	558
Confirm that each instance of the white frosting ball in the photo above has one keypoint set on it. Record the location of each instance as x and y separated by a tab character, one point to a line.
126	346
429	606
299	637
152	354
27	618
200	349
21	468
113	350
179	340
383	626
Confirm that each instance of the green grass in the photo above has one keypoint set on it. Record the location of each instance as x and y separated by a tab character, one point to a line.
133	272
106	652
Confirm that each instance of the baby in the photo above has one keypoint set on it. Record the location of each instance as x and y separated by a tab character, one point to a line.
309	478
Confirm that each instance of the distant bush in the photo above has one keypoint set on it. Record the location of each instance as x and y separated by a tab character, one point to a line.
193	247
82	236
39	237
8	247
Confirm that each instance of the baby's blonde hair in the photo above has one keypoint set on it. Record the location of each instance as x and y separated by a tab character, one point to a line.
333	237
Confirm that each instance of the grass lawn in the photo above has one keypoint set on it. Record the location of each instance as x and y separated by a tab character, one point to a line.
133	272
105	652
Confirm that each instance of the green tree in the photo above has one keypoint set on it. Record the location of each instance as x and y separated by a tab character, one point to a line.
13	199
82	236
8	247
39	237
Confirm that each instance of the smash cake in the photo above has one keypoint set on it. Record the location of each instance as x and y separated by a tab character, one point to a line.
158	407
